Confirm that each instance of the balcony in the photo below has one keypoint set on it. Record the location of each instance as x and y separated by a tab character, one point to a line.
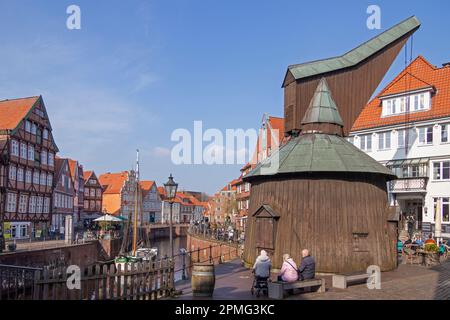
408	185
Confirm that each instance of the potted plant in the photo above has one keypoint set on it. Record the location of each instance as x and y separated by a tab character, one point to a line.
431	254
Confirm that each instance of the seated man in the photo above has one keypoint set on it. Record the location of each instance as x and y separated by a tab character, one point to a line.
307	268
430	240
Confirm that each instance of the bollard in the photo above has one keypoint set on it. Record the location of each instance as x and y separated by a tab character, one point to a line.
210	254
183	274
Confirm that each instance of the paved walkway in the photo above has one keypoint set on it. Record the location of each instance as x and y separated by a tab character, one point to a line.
37	245
412	282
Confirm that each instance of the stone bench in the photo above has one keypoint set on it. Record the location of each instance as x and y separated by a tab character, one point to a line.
277	288
341	281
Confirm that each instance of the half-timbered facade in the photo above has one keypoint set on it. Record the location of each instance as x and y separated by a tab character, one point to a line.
77	174
93	195
27	169
63	195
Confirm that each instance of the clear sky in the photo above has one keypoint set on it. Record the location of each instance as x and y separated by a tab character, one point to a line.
137	69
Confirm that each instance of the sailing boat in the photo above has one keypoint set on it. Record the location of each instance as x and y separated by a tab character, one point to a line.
135	241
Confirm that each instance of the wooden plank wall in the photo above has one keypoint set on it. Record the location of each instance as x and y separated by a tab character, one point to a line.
351	88
323	215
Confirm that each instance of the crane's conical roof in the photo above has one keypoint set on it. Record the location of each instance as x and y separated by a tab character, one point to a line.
322	108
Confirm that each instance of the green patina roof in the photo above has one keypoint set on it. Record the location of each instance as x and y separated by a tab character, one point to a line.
318	153
322	108
358	54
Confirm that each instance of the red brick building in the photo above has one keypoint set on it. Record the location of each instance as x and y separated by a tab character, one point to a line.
27	167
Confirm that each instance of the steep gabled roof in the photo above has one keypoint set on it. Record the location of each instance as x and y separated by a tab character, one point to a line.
13	111
113	182
358	54
146	186
419	74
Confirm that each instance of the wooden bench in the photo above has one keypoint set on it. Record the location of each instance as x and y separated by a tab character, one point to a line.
277	288
341	281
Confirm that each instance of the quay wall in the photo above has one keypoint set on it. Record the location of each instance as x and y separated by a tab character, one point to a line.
202	248
81	255
163	231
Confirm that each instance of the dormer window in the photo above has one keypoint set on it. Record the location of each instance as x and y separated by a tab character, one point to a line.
394	105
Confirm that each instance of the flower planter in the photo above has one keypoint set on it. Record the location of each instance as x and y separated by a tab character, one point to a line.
432	259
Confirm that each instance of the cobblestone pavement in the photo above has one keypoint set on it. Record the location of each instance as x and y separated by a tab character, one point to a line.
408	282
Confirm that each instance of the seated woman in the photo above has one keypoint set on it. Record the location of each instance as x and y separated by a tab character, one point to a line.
289	271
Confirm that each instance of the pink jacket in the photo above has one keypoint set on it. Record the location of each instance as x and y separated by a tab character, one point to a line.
289	273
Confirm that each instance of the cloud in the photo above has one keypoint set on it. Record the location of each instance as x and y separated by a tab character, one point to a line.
161	152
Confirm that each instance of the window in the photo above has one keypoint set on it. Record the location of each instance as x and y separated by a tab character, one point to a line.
394	106
86	204
32	204
28	176
33	128
39	204
444	209
23	150
27	126
422	101
99	192
44	157
402	105
366	142
98	205
441	170
23	203
11	202
384	140
351	140
46	205
23	230
14	148
43	180
86	192
37	157
36	177
51	159
12	172
92	192
30	153
401	138
425	135
39	136
20	176
444	133
49	180
416	102
45	134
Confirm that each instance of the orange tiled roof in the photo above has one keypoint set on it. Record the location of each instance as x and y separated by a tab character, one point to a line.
162	191
146	186
12	112
113	182
72	167
419	74
87	175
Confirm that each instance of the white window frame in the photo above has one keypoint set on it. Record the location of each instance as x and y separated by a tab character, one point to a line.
23	150
12	172
14	148
363	140
23	202
440	165
384	140
441	209
423	132
28	176
30	153
20	174
36	177
445	128
11	202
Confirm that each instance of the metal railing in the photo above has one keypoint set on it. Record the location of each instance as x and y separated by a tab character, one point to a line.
218	234
17	283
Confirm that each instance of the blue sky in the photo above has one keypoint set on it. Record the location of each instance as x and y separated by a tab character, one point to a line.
137	70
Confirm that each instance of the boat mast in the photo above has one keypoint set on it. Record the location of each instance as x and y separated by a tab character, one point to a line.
136	198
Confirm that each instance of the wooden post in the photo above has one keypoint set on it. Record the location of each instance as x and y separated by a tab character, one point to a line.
210	254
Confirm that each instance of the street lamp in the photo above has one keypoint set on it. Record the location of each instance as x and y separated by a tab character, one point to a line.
171	192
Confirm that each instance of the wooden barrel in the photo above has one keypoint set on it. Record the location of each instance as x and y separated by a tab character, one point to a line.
203	280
